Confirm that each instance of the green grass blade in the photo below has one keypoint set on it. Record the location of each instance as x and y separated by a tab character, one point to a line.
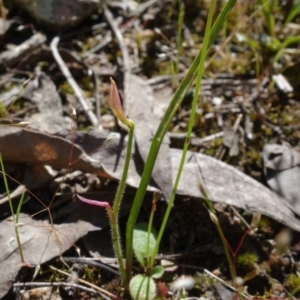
161	131
190	126
7	189
15	218
294	11
19	207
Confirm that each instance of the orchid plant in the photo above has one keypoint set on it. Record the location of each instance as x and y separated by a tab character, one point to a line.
142	286
116	107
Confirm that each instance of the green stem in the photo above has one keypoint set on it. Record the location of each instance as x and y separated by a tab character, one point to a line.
17	229
7	190
120	191
150	262
214	218
15	218
226	249
161	131
113	214
117	244
179	33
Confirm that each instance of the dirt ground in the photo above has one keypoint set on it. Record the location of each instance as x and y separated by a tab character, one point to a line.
58	138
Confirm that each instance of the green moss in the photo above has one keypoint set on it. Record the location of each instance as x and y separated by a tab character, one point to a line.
92	275
65	87
86	82
268	131
2	110
210	151
292	283
253	156
246	262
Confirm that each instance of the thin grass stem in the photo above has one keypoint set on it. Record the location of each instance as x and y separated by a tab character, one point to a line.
178	35
15	218
122	184
150	262
116	206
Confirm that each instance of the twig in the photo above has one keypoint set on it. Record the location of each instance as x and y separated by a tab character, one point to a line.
124	52
225	79
67	284
226	284
125	56
97	96
78	92
142	7
110	19
10	58
100	290
264	273
90	262
107	39
195	141
92	75
235	128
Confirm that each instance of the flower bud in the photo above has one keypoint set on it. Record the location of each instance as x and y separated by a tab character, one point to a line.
115	103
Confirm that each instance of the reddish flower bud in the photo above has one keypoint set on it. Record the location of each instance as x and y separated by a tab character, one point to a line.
94	202
115	103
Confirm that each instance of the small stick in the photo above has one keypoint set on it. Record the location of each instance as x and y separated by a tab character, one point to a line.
10	58
226	284
78	92
67	284
93	262
108	38
100	290
113	24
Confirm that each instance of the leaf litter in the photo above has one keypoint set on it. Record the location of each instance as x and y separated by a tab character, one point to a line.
43	151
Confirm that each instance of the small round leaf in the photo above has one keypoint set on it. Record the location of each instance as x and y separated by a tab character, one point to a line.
157	272
142	287
143	246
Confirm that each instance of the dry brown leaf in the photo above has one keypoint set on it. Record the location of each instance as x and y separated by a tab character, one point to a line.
139	107
39	244
225	184
282	172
